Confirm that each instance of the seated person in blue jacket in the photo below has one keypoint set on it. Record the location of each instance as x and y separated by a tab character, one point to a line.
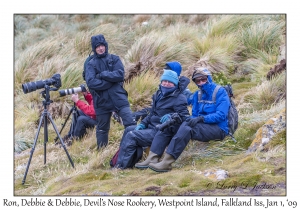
167	100
208	122
174	66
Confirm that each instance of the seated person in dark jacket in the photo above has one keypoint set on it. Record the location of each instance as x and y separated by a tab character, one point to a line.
104	75
208	122
167	100
174	66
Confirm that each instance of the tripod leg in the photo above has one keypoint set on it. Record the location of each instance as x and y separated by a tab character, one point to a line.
62	143
71	110
33	147
45	135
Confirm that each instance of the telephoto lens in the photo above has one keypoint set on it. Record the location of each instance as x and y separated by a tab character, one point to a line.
70	91
32	86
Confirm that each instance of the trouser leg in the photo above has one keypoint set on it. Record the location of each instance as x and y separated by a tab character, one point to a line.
132	140
179	141
201	132
103	125
83	122
127	130
126	115
162	139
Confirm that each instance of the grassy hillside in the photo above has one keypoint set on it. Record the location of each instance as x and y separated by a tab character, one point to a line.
238	49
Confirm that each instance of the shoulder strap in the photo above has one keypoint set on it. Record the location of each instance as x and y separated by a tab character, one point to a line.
213	99
215	93
199	95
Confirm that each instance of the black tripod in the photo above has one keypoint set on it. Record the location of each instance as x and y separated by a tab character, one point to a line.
44	116
75	114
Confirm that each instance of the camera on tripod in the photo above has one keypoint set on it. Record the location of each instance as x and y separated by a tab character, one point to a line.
45	116
32	86
69	91
175	118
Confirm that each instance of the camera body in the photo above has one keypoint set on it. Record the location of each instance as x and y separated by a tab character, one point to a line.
69	91
32	86
175	118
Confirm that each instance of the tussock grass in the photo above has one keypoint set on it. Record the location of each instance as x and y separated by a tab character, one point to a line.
262	97
151	53
44	21
225	24
26	68
138	19
264	36
28	38
140	88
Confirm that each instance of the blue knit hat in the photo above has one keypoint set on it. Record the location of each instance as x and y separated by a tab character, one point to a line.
170	76
175	66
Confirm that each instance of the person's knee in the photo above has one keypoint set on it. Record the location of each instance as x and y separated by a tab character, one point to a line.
80	119
100	131
127	117
130	139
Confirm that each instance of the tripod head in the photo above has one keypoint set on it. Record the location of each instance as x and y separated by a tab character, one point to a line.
46	95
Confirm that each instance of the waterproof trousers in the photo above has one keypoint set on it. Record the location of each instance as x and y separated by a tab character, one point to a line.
177	143
103	124
130	143
83	122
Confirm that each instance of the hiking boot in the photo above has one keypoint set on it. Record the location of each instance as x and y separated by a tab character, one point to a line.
152	158
163	166
57	143
67	140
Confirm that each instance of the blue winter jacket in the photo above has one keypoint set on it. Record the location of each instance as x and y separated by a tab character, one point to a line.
212	112
104	77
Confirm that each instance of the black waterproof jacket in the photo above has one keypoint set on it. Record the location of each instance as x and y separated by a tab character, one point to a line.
104	77
174	102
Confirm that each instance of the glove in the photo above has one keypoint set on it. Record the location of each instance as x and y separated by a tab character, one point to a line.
165	118
140	127
193	121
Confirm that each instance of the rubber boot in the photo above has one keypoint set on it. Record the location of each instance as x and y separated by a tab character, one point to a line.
151	158
163	166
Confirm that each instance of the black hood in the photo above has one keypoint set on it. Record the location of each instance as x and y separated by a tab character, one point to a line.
96	41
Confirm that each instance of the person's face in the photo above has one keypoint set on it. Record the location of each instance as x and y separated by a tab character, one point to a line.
100	49
201	80
166	83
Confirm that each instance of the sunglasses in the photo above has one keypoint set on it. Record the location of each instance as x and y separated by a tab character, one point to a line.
203	79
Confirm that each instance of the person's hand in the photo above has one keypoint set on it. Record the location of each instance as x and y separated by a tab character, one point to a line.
140	127
165	118
193	121
74	97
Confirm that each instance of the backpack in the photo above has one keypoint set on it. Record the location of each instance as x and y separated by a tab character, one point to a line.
136	157
233	116
90	57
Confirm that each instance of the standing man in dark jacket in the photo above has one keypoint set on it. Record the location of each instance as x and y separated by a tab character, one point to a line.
166	101
208	122
104	76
